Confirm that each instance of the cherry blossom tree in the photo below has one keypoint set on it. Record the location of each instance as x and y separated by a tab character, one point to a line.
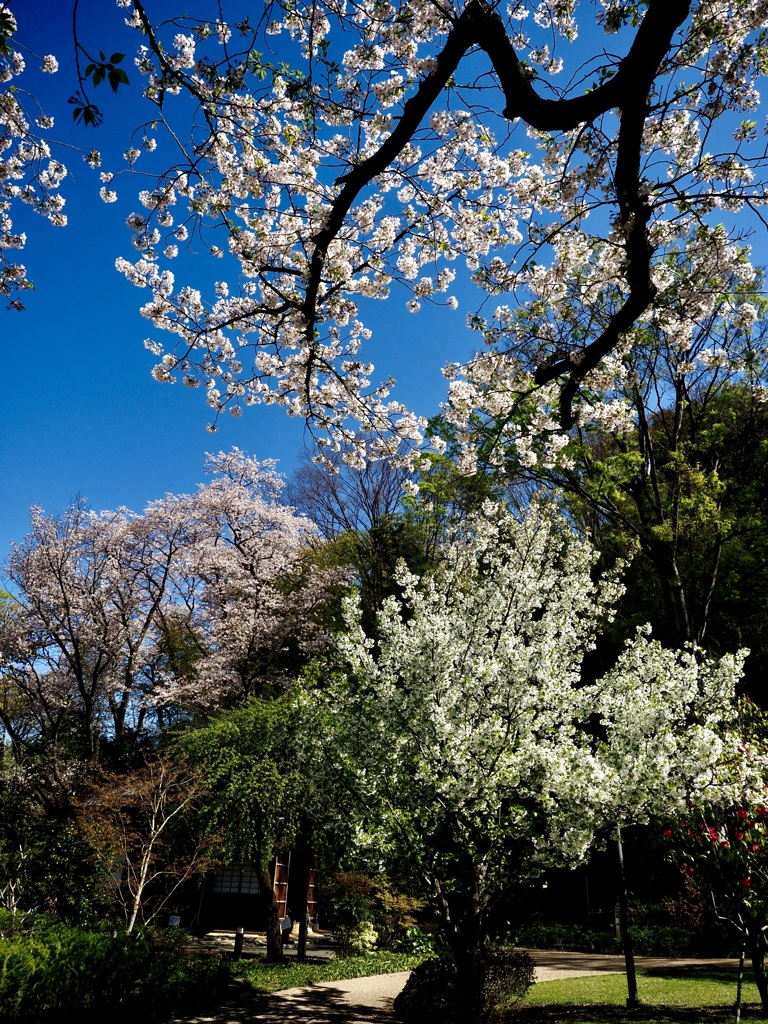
75	650
121	620
470	746
395	140
262	596
31	174
329	154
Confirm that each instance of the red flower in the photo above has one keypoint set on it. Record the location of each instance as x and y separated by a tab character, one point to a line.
739	836
667	832
747	883
741	814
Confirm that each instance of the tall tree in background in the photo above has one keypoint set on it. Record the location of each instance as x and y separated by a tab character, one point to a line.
671	461
121	621
364	515
262	596
74	652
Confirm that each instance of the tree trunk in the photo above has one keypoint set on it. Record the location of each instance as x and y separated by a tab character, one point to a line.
272	915
468	942
757	952
299	906
665	561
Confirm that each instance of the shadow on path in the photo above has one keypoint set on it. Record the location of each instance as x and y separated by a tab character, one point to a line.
317	1004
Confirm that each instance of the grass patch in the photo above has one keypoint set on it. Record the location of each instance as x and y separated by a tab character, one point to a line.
261	976
669	995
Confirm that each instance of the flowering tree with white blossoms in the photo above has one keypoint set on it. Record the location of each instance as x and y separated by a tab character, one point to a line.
330	152
469	746
29	172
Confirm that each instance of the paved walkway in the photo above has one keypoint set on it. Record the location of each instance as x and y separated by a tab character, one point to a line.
369	1000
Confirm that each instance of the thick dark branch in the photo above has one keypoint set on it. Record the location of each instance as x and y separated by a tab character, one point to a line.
651	44
480	25
633	219
459	40
634	214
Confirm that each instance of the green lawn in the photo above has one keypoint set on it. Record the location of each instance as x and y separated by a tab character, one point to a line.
264	977
689	994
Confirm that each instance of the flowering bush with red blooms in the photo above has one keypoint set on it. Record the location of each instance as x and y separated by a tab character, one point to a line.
723	851
722	846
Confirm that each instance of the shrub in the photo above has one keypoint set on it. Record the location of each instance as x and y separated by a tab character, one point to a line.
419	943
52	969
428	994
554	935
648	939
355	906
347	898
395	911
508	976
361	939
432	993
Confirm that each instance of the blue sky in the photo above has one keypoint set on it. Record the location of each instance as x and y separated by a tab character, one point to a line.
82	415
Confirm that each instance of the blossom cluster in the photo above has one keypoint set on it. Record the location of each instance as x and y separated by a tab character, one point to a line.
29	172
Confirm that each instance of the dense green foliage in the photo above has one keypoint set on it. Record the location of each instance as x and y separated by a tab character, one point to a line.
49	969
667	940
247	758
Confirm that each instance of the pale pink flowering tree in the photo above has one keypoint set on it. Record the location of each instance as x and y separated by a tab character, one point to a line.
263	597
78	648
121	621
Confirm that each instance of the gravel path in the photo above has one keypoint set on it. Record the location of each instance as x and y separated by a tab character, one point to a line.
369	1000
